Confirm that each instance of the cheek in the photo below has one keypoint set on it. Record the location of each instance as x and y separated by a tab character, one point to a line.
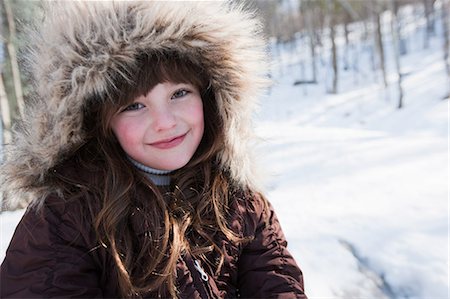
198	119
196	114
126	133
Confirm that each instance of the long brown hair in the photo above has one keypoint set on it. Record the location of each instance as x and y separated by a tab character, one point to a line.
186	218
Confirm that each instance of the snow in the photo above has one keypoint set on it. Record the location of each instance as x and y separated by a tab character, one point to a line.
8	223
360	187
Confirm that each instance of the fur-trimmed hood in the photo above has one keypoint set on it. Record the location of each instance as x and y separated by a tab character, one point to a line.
80	47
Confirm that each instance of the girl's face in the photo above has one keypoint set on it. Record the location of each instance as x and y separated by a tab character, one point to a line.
162	129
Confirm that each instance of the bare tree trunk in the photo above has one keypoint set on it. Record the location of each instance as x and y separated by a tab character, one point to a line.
5	129
446	32
334	63
349	9
380	47
395	39
312	46
307	10
429	15
374	13
347	45
6	115
379	42
13	56
334	59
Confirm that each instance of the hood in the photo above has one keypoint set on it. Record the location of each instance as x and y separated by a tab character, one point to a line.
79	48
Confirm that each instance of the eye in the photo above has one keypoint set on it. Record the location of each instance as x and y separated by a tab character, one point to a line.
180	93
133	107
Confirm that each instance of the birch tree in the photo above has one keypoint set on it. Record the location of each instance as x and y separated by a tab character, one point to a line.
331	13
375	10
395	39
11	48
14	16
5	126
446	36
6	116
308	11
430	17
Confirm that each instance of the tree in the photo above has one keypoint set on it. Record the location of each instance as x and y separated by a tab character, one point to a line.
11	31
375	12
332	10
395	39
6	115
308	11
429	16
14	15
446	32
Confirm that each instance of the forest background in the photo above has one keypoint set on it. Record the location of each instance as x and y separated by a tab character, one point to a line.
312	26
356	138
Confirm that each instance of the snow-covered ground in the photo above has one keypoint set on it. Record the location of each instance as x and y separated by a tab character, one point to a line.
360	187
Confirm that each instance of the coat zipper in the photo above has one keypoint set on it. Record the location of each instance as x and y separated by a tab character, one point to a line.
202	272
201	277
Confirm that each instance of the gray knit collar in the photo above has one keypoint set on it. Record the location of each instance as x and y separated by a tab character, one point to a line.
157	176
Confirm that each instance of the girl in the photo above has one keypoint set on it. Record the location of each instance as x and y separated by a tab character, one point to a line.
135	154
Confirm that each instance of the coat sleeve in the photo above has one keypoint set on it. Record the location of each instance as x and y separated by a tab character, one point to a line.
49	257
266	268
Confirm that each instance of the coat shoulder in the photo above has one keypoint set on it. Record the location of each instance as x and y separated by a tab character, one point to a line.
51	243
250	209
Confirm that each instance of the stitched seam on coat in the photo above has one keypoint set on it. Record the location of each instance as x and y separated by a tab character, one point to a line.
55	245
280	250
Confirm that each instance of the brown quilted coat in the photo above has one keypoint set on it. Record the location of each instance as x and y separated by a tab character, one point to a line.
54	253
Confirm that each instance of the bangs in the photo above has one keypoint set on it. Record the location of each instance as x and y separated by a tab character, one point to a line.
159	68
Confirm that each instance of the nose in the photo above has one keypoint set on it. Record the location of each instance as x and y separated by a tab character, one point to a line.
163	118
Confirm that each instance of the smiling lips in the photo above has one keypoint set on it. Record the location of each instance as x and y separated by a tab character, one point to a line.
169	143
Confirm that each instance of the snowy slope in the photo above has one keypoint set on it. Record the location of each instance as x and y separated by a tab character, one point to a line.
361	188
381	188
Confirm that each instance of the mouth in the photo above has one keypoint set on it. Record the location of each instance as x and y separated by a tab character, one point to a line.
169	143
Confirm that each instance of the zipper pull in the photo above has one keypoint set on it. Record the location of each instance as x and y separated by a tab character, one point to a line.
200	270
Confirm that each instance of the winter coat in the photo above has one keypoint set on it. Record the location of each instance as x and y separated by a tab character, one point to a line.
55	253
78	49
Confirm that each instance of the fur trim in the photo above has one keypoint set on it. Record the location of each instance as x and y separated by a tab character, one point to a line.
79	49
